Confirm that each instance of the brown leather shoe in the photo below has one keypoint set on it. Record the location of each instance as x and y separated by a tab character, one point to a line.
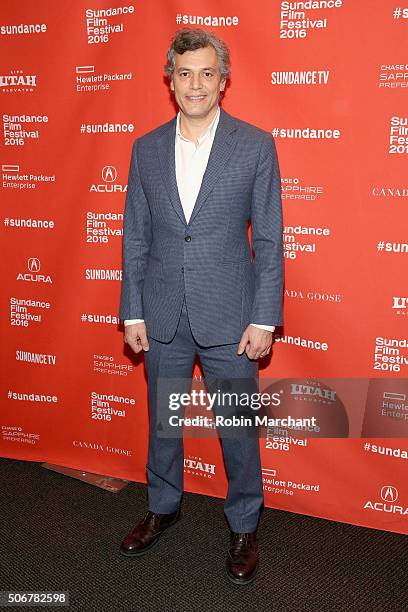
147	532
242	559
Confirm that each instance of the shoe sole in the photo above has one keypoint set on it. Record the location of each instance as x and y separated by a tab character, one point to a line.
243	582
140	553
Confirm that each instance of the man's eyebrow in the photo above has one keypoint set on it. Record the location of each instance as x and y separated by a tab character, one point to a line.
207	68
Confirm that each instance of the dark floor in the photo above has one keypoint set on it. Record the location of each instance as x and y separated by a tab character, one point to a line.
58	533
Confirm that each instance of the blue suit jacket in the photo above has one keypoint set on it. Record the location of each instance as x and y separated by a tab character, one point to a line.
209	259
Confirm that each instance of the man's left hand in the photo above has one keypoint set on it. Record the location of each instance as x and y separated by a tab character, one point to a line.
256	342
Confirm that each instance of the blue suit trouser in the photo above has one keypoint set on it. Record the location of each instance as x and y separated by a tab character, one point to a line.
165	466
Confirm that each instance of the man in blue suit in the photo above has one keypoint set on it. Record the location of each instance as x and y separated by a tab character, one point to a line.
190	285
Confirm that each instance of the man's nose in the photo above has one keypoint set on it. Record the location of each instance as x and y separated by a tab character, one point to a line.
196	81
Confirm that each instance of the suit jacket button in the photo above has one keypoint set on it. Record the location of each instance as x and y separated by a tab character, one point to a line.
182	269
187	238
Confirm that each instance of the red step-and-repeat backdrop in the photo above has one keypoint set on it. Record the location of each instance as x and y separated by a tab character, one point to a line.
79	81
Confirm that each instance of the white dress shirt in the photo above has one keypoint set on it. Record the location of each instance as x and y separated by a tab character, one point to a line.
191	161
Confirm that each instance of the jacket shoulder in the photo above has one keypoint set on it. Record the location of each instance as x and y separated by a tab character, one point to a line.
152	135
249	130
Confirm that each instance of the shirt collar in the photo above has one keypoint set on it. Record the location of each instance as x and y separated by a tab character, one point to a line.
210	130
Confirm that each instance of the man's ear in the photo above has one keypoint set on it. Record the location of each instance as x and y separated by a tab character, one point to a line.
172	84
222	84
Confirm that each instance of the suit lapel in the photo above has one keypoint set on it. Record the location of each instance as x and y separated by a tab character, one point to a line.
165	144
221	150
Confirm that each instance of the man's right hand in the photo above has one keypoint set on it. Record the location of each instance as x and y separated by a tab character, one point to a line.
136	337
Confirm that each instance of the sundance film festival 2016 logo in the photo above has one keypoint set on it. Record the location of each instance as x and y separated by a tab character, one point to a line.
398	141
390	354
284	443
21	313
15	130
297	19
292	244
109	176
389	496
17	82
99	24
33	275
98	227
106	407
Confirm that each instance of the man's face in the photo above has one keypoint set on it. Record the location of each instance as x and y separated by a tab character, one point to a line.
197	82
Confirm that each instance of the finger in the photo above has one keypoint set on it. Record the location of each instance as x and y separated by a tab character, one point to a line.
257	352
143	340
135	346
251	352
243	343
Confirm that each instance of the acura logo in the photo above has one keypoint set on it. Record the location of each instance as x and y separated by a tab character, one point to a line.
34	264
389	494
109	174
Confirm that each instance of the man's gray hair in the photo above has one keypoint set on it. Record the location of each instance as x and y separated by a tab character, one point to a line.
187	39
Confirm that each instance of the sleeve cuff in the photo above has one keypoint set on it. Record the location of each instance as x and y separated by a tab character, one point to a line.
270	328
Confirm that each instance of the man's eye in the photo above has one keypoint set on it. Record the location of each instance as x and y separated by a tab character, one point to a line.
208	74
